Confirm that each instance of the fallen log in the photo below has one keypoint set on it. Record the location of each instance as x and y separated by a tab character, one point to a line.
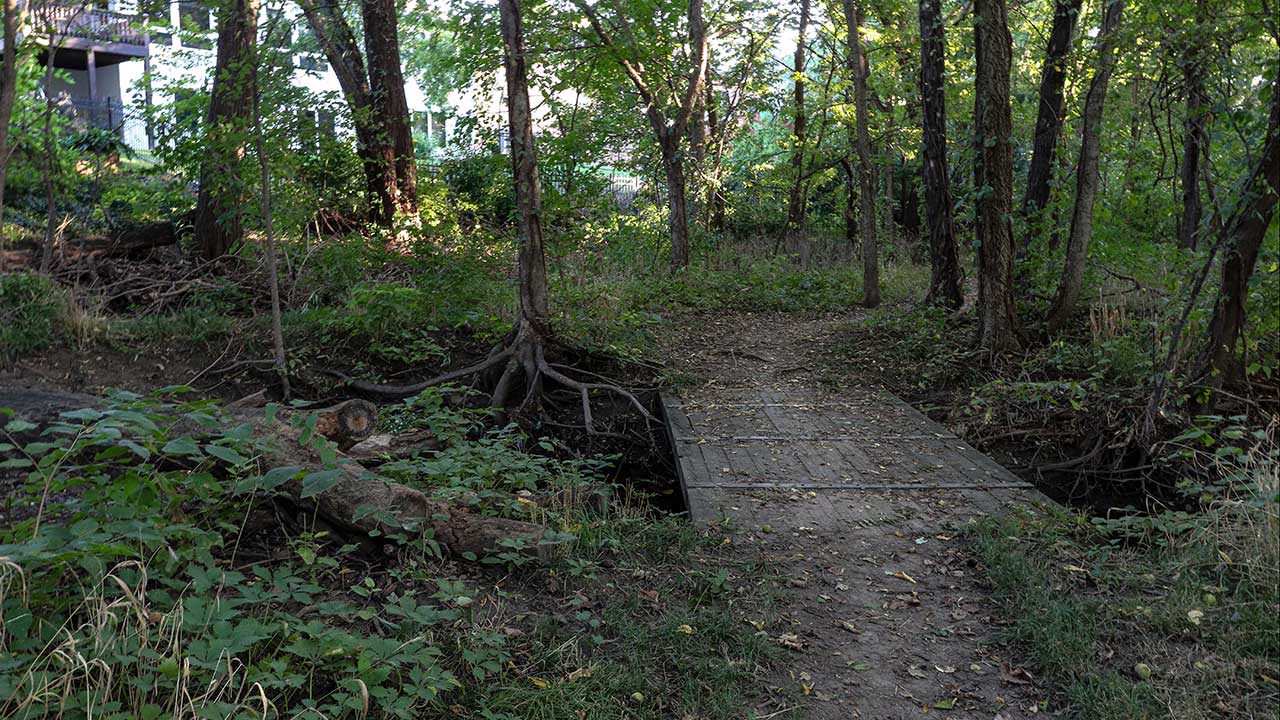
127	241
393	447
355	499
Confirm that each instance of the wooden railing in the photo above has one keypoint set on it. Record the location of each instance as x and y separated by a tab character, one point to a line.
70	21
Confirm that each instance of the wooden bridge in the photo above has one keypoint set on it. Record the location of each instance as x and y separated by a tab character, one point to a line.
758	444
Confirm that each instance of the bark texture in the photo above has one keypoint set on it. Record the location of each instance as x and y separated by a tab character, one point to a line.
1049	113
1195	139
794	233
377	160
217	222
1220	362
524	166
944	280
993	175
1087	173
857	59
386	85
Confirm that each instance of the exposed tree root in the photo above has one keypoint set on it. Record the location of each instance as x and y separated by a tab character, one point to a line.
524	355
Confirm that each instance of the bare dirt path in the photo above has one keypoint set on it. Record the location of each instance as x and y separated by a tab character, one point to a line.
883	612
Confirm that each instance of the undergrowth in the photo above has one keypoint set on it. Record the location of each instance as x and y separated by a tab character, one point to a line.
1171	615
148	570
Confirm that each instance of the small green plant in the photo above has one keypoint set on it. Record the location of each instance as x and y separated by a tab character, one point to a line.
31	312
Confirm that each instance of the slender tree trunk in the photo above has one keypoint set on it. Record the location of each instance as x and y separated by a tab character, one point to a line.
1220	362
794	233
850	198
677	206
264	170
1194	139
524	165
856	57
1087	173
8	92
908	204
698	153
386	85
944	281
715	194
1049	115
669	136
377	158
997	316
217	222
48	168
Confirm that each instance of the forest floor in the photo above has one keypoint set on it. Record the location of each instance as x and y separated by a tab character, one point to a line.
882	605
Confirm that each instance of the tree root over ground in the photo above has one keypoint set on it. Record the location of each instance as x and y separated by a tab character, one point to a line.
522	357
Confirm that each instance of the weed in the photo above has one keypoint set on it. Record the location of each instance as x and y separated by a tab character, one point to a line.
32	310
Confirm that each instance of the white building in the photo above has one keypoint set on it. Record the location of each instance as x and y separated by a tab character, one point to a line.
118	57
115	60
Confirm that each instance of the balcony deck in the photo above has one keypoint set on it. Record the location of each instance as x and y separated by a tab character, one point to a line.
112	36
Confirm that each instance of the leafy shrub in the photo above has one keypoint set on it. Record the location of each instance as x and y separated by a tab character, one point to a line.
126	602
31	311
482	186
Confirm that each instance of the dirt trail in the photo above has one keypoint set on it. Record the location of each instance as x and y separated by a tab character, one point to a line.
883	610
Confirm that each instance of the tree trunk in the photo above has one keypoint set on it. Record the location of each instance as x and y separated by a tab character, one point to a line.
217	222
268	227
850	199
944	281
386	85
856	58
1087	173
794	233
993	166
49	169
669	136
678	208
1194	139
524	166
908	204
1049	115
1220	362
698	153
334	34
715	193
8	92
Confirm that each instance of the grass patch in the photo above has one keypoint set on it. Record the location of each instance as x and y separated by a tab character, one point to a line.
1166	616
31	311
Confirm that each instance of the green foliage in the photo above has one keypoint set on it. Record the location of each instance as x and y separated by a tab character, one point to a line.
480	185
1148	616
129	590
31	313
98	141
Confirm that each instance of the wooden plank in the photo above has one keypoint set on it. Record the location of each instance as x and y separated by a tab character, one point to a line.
861	485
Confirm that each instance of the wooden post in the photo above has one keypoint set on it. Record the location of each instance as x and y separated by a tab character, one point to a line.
147	91
91	63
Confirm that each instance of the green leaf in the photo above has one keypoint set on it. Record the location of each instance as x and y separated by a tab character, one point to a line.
275	477
137	449
17	426
226	454
182	446
317	482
